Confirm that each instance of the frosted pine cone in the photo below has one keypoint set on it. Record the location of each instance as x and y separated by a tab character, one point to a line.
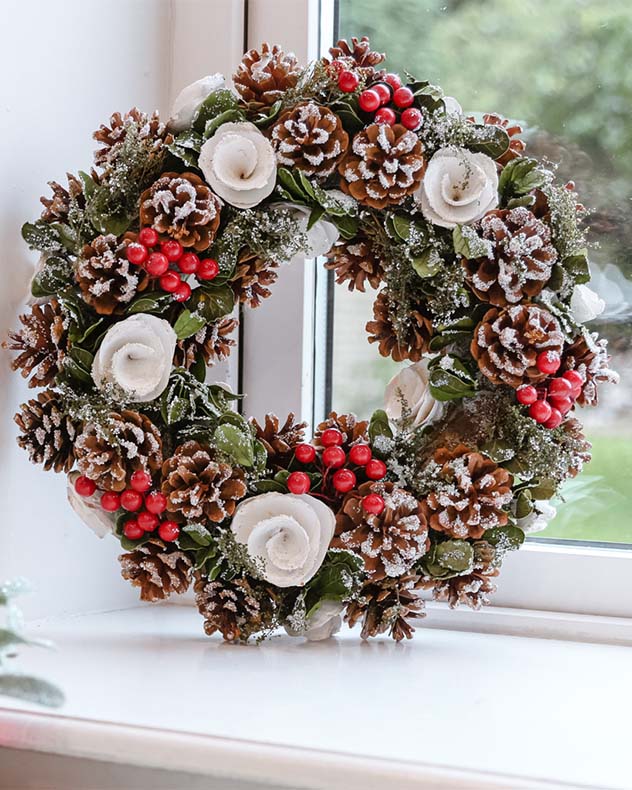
588	355
353	430
42	341
470	496
212	342
197	485
110	454
158	571
251	277
385	165
264	75
578	444
310	138
182	207
47	432
148	128
387	606
357	55
410	342
390	543
106	278
355	262
520	262
57	207
507	342
279	440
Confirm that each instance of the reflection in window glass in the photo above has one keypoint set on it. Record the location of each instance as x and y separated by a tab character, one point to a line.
557	68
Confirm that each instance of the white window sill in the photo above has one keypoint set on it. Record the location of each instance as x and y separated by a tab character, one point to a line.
145	687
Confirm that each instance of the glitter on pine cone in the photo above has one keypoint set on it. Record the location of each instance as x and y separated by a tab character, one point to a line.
387	607
279	439
148	128
357	55
581	447
354	262
47	432
211	342
42	341
158	572
353	430
588	355
408	341
57	207
251	278
264	75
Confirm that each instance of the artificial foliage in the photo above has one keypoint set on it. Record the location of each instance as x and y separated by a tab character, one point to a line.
478	260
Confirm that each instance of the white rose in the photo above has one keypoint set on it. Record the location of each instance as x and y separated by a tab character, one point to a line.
289	533
190	99
586	305
321	624
239	164
320	237
459	187
539	518
452	107
412	385
89	509
136	355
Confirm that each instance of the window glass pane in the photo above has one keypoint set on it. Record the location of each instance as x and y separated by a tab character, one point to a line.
558	68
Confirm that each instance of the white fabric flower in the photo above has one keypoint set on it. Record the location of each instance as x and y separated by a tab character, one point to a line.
586	305
412	385
190	99
239	163
289	533
321	624
89	509
136	355
459	187
320	237
539	518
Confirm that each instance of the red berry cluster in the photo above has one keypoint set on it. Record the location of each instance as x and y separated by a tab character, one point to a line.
157	263
550	402
132	500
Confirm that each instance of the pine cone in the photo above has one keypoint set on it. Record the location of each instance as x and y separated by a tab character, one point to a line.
279	440
387	606
355	262
389	543
411	342
182	207
588	355
507	342
385	165
199	486
111	454
521	260
106	278
42	342
57	207
251	277
353	430
471	492
516	145
112	137
310	138
357	56
472	589
158	571
212	342
264	75
577	442
48	434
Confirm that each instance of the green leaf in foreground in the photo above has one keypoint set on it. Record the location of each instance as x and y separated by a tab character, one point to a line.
31	689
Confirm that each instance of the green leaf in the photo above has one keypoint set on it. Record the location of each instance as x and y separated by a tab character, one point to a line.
227	116
315	216
177	410
42	236
428	263
524	504
337	580
518	178
75	371
234	442
348	112
198	368
401	226
266	486
508	538
214	105
188	324
487	139
379	426
82	357
199	534
153	302
348	226
543	489
468	243
54	276
31	689
448	559
577	266
213	302
450	379
265	119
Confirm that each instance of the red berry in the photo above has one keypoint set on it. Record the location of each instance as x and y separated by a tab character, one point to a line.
403	97
299	483
331	437
360	454
337	66
563	403
136	253
172	249
305	453
527	394
393	80
344	480
369	100
157	264
148	237
540	411
84	486
554	420
156	502
411	119
169	531
110	501
170	282
373	503
132	531
375	469
348	81
385	115
574	377
561	387
189	263
334	457
548	362
182	292
131	500
208	269
140	481
147	521
384	91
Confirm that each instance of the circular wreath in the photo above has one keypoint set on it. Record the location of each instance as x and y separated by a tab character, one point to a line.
479	259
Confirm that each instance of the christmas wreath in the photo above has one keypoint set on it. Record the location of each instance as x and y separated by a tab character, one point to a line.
479	261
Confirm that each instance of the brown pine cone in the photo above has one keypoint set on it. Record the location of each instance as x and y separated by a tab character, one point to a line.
588	355
48	434
390	543
112	137
182	207
42	342
106	278
410	342
355	262
580	445
516	145
387	606
264	75
471	492
56	208
520	263
251	277
507	342
158	571
279	440
353	430
310	138
111	454
199	486
357	56
212	341
385	165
